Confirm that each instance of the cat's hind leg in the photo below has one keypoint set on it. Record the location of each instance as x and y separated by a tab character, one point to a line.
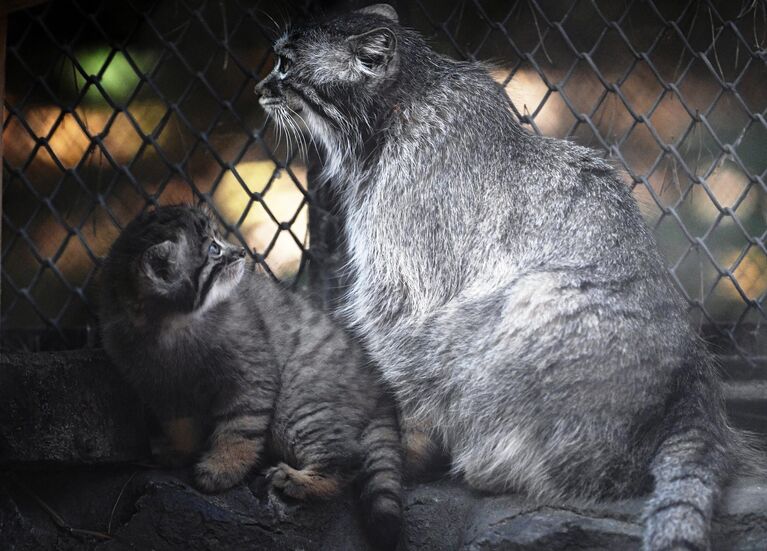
236	445
319	449
317	470
424	457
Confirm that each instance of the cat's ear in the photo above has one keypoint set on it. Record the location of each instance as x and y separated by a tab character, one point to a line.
157	261
374	48
384	10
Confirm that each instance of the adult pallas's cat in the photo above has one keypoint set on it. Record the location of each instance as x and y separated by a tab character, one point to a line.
201	336
505	283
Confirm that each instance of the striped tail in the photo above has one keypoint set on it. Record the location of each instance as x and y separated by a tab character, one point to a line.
381	477
690	465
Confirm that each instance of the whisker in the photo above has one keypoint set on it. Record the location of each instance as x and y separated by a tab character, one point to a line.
299	134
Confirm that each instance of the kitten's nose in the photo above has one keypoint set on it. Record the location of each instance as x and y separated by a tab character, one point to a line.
242	252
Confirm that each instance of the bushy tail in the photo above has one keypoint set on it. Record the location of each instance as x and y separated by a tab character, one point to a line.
381	480
696	455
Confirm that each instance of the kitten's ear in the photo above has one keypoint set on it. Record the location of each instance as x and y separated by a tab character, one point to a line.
207	210
156	262
384	10
162	278
212	216
374	48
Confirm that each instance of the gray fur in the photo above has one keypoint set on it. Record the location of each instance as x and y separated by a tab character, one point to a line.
265	374
506	283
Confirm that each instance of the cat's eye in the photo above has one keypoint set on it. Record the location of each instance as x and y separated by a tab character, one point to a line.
283	64
214	249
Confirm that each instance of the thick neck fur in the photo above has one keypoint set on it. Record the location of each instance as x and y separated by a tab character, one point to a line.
429	118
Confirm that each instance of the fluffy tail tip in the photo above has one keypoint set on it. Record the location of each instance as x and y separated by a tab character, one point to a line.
384	521
678	515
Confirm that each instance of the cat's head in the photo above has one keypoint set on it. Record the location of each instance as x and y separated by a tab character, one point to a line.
333	76
172	260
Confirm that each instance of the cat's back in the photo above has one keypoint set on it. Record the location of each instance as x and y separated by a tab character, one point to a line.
488	191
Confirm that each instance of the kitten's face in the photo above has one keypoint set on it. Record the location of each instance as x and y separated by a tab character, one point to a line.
180	263
325	73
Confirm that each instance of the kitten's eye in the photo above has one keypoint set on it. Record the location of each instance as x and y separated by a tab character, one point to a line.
214	250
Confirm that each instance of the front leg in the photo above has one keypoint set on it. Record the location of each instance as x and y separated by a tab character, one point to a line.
236	444
182	440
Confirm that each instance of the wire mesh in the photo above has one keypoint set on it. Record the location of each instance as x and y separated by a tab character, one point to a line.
113	107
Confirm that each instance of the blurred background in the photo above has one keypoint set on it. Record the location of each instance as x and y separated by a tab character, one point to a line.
114	106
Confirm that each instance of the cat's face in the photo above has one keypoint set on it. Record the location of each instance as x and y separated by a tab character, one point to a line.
326	74
178	261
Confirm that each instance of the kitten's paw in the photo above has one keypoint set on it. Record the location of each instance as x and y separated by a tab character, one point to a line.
302	484
280	477
213	475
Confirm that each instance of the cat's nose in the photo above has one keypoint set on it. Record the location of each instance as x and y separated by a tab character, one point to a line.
259	88
263	89
266	89
242	252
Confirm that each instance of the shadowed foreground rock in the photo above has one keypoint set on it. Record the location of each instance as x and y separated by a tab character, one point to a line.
67	408
159	510
69	430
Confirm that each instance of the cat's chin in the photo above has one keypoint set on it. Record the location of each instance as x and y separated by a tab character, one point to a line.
270	103
277	108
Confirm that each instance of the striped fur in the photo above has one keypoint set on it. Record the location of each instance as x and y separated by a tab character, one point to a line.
212	346
693	460
380	494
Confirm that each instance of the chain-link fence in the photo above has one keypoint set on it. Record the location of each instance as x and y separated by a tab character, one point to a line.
111	107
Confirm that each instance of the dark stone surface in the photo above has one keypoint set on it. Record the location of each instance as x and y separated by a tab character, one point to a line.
67	407
69	428
159	510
